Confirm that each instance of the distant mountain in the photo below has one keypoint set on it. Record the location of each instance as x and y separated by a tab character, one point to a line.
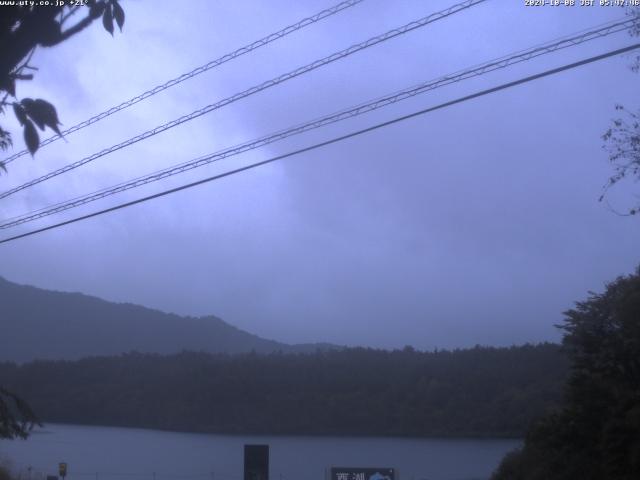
44	324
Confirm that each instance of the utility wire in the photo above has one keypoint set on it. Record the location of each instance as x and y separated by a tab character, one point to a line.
492	65
197	71
481	93
258	88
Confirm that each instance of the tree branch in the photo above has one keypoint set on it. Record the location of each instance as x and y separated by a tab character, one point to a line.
77	28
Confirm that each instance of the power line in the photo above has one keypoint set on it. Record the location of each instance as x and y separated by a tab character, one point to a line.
197	71
258	88
481	93
492	65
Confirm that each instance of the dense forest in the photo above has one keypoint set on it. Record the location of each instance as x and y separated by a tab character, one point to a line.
473	392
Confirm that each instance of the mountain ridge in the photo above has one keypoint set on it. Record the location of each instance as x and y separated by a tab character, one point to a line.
46	324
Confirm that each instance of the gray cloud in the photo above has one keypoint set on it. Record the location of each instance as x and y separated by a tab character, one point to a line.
474	224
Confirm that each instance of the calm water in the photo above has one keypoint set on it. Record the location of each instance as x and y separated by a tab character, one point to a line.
104	453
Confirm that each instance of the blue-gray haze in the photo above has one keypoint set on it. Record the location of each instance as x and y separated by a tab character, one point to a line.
475	224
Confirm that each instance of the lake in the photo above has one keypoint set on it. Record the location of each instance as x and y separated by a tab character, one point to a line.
110	453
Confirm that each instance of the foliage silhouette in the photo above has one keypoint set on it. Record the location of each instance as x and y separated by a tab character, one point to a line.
16	417
475	392
23	28
596	433
622	139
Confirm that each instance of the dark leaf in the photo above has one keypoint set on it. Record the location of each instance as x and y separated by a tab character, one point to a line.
31	109
96	9
20	113
42	113
118	13
107	20
47	114
3	167
31	137
26	103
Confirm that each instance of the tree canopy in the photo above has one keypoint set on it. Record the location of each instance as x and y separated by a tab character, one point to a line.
622	139
23	28
16	417
596	433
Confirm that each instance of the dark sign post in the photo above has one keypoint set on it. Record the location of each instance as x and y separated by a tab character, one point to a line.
256	462
350	473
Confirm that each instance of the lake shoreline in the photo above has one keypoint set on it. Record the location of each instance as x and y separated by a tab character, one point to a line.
291	434
111	453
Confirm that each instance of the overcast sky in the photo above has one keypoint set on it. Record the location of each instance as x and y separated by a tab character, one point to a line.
477	224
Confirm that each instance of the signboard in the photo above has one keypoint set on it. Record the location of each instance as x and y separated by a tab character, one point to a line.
350	473
256	462
62	469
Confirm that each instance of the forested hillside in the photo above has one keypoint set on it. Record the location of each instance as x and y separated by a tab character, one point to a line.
475	392
43	324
